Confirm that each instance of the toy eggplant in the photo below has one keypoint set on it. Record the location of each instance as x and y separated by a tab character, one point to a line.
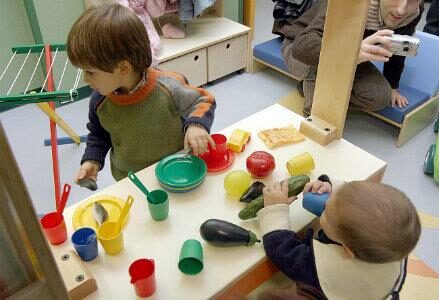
253	192
226	234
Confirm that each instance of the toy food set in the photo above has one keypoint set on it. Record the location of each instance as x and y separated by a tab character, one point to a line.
276	137
238	140
236	182
225	234
296	184
253	192
260	164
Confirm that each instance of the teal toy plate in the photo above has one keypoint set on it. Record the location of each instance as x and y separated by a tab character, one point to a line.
178	171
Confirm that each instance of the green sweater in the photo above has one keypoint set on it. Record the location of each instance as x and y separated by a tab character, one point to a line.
142	128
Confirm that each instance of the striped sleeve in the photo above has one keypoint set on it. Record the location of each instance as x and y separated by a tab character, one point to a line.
195	105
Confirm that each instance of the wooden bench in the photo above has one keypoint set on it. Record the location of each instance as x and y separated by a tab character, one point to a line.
419	84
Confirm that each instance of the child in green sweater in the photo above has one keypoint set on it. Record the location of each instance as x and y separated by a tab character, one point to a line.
139	113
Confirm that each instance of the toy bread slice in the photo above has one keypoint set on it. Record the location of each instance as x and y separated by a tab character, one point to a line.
276	137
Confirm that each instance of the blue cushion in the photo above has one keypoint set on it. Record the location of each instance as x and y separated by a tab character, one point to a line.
415	98
270	53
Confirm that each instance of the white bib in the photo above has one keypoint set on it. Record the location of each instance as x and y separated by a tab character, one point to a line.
342	278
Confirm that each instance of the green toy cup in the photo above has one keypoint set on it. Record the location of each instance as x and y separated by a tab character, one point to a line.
191	257
159	206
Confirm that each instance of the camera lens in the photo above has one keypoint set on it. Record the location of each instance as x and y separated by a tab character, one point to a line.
406	49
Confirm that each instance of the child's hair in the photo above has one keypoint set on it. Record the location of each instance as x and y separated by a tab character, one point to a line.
376	221
107	34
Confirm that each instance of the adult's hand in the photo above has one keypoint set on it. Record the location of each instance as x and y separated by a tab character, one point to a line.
376	47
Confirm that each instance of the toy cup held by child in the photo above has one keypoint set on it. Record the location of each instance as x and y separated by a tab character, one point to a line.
221	147
191	257
315	203
159	207
53	223
142	273
300	164
110	233
85	243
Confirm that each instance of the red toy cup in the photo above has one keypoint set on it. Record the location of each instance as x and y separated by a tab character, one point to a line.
221	147
54	227
142	273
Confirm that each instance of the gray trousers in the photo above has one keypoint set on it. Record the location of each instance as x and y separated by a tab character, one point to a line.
370	90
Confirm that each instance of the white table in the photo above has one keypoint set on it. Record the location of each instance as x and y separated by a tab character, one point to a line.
226	270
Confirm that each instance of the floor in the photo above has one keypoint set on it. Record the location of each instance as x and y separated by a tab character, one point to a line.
27	127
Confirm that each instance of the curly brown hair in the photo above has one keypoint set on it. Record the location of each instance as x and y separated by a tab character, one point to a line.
377	222
107	34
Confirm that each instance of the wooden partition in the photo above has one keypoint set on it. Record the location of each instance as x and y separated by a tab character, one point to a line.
343	33
24	233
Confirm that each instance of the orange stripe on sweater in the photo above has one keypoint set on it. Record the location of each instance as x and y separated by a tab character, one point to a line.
202	108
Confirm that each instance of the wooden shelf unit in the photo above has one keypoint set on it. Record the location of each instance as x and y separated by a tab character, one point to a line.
213	47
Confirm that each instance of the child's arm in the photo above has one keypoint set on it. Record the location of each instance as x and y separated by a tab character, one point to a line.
292	256
98	139
197	108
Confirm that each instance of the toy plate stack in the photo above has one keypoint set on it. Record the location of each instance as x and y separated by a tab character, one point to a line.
179	173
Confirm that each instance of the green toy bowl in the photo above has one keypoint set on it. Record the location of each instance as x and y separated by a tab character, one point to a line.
429	160
178	171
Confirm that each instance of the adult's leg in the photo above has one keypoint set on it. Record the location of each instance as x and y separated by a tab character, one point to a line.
370	89
298	70
432	25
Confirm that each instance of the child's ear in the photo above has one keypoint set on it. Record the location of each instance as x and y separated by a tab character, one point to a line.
348	252
125	67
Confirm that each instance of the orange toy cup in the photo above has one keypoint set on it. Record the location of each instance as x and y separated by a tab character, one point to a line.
221	147
54	227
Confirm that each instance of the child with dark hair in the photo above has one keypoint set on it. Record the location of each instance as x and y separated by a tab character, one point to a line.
140	113
368	230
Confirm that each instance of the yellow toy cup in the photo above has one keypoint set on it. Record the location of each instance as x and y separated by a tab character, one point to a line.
111	237
300	164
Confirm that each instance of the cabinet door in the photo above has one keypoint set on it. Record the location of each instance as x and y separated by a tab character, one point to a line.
192	65
227	57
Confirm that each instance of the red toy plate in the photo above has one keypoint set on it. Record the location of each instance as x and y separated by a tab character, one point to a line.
219	165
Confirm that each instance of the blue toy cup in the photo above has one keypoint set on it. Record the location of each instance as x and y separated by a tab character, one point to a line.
315	203
85	242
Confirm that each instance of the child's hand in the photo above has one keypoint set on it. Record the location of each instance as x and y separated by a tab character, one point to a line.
197	137
89	169
277	194
318	187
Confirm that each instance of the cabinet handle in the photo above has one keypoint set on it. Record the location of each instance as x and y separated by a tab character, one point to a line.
196	57
227	46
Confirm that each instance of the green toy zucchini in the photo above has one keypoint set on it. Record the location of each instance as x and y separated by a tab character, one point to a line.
223	233
296	184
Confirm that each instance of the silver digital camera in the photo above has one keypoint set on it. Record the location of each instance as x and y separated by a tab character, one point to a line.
404	45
